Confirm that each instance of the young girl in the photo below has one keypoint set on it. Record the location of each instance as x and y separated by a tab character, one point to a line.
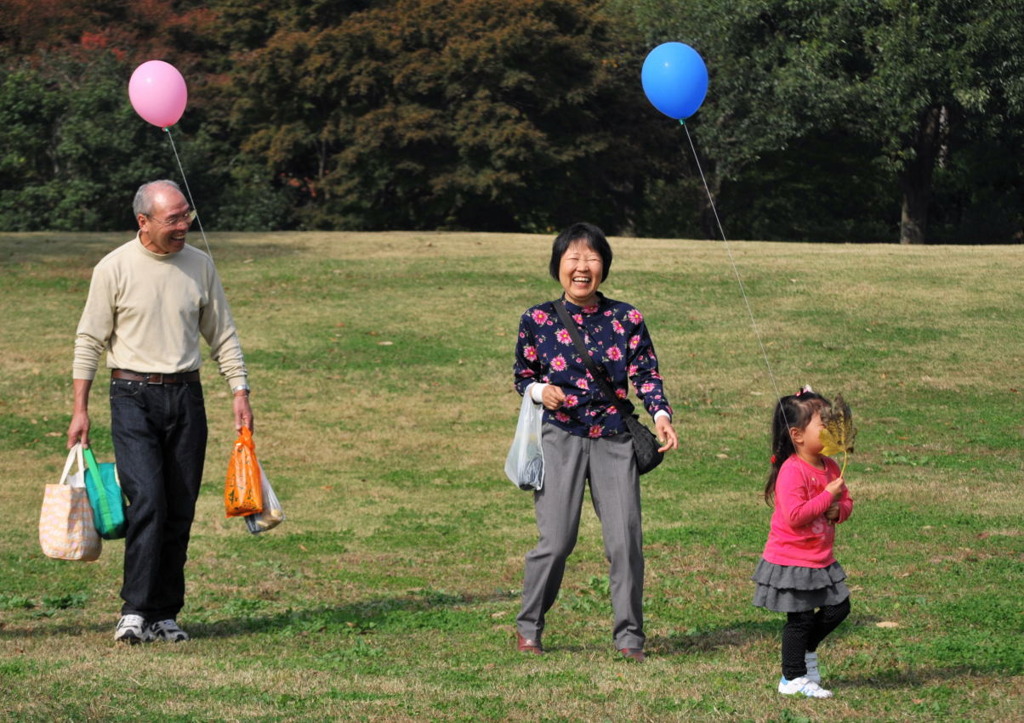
798	574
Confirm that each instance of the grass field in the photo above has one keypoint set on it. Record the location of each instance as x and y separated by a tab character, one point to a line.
380	365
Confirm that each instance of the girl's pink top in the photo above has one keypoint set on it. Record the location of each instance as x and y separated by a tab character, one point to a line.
800	535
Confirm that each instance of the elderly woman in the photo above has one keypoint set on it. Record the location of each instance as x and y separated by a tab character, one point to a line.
584	437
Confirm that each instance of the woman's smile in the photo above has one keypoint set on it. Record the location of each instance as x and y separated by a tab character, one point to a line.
580	273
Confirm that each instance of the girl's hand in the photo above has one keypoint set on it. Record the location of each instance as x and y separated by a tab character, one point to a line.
836	487
832	513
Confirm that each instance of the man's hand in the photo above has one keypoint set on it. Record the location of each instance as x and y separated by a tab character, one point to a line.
78	430
243	412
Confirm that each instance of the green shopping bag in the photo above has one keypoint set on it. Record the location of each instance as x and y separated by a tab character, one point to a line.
105	496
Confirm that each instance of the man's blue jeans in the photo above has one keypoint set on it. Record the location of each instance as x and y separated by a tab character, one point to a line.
159	433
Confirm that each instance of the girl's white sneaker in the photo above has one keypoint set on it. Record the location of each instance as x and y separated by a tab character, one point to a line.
812	674
803	686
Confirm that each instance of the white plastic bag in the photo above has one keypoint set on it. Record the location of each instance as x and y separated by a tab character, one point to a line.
525	462
272	514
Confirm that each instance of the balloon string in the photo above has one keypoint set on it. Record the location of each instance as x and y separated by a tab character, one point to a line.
735	268
188	191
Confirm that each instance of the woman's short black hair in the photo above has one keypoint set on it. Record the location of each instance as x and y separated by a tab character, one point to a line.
589	234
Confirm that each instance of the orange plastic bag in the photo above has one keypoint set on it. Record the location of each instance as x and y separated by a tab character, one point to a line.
243	489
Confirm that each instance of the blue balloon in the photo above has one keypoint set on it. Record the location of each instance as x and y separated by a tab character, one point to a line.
675	79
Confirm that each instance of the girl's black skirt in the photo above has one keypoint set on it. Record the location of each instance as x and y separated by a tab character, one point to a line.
792	589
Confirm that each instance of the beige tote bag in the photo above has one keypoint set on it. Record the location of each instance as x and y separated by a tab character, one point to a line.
67	530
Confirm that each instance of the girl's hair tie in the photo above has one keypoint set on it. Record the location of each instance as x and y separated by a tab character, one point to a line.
805	390
774	460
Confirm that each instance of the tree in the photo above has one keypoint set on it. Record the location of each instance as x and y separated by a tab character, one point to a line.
133	31
73	149
445	113
905	77
933	66
763	101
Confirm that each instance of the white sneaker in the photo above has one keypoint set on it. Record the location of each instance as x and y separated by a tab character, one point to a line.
812	674
804	687
131	629
165	630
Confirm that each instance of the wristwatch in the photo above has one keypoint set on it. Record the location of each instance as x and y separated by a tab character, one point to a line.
240	388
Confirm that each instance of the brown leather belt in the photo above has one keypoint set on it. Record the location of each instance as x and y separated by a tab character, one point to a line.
155	378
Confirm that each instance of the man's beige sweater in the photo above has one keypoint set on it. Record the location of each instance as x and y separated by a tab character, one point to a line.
147	311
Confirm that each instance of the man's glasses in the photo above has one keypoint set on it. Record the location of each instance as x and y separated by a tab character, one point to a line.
186	218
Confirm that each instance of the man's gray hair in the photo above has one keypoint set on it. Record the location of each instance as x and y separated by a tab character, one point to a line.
143	202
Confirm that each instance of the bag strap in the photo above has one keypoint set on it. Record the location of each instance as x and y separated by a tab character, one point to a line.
73	454
596	370
91	464
94	470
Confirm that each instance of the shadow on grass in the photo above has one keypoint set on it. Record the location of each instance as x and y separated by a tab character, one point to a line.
898	680
442	611
711	639
416	610
705	640
44	629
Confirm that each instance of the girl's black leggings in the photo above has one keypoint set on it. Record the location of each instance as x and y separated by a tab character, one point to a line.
803	632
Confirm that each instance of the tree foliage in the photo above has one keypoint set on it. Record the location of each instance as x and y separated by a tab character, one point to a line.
835	120
72	150
891	89
446	113
69	151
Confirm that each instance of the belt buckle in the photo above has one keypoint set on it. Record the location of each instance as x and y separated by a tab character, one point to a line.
156	379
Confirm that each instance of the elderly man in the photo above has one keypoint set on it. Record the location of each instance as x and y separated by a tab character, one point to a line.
149	302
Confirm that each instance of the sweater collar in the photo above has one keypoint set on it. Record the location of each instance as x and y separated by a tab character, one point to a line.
592	309
159	257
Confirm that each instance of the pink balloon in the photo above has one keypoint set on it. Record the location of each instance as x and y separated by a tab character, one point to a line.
158	93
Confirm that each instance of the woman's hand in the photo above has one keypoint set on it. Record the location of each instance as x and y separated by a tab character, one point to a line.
666	434
553	397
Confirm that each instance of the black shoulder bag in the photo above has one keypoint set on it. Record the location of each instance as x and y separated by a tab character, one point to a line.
645	443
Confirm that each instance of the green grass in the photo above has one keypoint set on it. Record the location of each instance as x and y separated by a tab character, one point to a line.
384	407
